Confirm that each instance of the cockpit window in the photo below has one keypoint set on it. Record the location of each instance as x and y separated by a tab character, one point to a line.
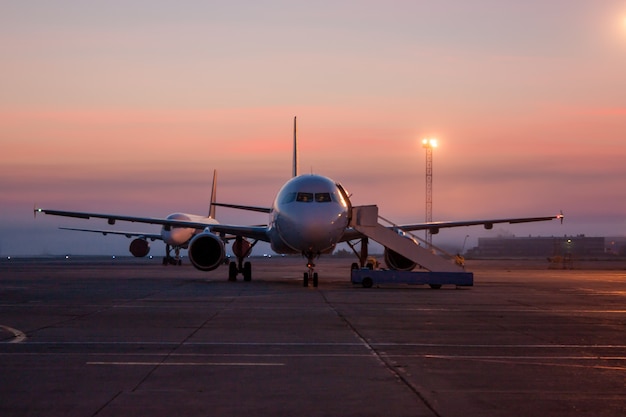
317	197
304	197
322	197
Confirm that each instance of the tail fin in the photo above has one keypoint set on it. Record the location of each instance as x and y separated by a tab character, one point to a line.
213	195
295	151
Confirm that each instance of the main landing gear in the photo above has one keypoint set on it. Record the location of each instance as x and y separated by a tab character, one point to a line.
168	259
241	249
235	268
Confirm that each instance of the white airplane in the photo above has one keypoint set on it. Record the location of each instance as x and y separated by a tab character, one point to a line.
309	216
176	238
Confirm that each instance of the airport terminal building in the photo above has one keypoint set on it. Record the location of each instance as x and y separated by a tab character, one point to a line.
579	246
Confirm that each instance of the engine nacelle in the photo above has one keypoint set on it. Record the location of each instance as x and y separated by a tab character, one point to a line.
206	251
398	262
139	247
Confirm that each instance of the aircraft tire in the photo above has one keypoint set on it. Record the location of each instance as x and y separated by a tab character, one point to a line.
305	280
247	271
315	282
435	286
232	271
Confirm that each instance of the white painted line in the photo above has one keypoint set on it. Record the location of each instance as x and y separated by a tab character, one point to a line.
538	361
500	346
186	363
18	336
327	344
187	344
577	358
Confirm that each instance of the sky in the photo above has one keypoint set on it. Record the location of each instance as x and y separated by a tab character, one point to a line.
128	107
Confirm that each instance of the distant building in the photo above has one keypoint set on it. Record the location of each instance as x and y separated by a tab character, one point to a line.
616	245
579	246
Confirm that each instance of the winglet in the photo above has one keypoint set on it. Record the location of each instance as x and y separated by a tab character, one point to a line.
213	195
294	172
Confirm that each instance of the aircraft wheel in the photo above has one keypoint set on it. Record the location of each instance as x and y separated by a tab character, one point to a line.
180	262
435	286
354	265
232	271
247	271
305	280
315	279
165	262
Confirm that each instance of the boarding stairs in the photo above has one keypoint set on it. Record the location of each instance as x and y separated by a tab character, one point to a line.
365	219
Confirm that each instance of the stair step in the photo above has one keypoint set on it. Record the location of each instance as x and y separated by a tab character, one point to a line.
365	221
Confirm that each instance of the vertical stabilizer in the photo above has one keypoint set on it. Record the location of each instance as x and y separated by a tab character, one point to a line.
294	172
213	195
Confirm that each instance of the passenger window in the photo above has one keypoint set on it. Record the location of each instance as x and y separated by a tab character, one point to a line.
322	197
305	197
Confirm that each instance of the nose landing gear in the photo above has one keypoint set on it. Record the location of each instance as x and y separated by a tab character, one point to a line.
311	274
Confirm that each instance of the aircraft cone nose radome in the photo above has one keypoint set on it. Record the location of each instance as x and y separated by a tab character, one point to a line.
317	232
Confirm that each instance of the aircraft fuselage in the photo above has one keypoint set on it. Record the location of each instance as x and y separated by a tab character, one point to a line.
180	236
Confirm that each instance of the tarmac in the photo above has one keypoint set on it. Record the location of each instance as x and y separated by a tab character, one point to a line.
127	337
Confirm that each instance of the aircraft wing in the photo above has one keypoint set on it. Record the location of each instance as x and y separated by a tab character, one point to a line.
252	232
112	218
488	224
151	236
435	226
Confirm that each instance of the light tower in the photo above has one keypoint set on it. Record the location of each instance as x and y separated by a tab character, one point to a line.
429	145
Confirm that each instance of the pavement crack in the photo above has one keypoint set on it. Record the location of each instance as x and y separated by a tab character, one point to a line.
177	346
384	361
106	404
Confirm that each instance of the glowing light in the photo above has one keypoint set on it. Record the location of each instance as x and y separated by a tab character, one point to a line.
429	143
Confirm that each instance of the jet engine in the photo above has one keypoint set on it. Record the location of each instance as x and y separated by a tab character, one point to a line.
206	251
139	247
398	262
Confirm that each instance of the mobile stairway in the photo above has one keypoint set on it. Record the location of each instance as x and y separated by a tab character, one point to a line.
441	271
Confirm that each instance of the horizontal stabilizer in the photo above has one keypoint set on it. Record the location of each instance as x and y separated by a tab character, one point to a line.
241	207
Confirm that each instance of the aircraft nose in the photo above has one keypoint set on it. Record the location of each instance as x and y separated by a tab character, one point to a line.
318	232
313	229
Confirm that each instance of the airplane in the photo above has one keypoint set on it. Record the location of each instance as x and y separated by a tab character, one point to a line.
174	238
310	215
